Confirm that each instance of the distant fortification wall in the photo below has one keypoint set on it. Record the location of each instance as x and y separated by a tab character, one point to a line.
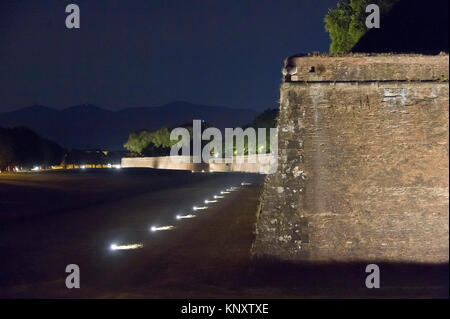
363	161
163	162
247	164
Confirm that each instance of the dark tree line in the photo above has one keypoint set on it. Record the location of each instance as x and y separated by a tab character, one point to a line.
91	157
22	147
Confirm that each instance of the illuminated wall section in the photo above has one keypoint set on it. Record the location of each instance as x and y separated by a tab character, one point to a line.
363	162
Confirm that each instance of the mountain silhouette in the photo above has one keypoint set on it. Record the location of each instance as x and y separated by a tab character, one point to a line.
92	127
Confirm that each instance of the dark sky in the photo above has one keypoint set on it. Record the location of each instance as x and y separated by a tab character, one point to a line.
151	52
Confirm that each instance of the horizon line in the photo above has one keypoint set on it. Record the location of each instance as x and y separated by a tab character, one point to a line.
256	109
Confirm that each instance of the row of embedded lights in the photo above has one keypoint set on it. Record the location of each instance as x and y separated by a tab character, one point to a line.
180	217
38	168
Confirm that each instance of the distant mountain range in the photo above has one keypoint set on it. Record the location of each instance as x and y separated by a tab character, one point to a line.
92	127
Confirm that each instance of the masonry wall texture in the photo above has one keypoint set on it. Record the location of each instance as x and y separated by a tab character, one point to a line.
363	172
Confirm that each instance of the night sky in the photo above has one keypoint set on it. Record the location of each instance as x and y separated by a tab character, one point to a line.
151	52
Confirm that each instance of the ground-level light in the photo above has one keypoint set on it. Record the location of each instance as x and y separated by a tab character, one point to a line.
185	216
159	228
125	247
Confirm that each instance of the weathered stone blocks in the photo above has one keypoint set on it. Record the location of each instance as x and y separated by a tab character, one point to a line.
363	162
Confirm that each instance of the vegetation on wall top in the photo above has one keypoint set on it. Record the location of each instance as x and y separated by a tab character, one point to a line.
346	23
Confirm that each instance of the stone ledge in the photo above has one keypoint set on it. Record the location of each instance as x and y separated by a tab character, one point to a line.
366	68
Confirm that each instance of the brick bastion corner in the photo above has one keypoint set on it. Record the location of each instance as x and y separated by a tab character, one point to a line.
363	163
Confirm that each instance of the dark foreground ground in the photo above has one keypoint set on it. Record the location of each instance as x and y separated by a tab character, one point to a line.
49	220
